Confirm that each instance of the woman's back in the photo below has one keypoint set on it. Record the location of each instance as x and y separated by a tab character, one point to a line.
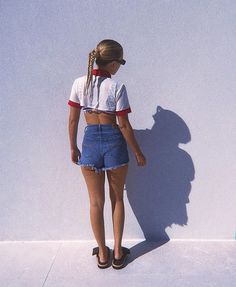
94	118
105	99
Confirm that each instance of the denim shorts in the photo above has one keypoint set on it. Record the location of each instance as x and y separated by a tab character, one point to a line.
103	148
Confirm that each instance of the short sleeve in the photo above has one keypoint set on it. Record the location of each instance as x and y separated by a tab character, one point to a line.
122	102
74	99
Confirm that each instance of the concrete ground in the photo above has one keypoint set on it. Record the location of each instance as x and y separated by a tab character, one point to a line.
70	264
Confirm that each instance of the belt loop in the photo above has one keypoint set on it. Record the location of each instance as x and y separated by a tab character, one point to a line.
115	126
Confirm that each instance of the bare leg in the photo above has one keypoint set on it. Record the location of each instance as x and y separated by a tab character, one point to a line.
116	178
95	185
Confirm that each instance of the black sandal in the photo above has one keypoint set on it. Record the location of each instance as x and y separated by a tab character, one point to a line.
100	264
120	263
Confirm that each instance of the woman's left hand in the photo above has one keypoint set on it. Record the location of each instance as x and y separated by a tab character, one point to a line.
75	155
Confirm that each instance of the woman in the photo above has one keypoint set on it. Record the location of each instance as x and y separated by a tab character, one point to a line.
104	149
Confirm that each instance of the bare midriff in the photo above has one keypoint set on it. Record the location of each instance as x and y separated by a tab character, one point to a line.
94	118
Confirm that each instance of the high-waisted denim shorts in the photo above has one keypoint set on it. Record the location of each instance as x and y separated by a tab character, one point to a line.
103	148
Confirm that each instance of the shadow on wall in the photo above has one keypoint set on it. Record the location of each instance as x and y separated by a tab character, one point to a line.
158	193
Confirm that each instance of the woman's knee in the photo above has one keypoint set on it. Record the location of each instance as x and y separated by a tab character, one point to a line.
117	202
116	196
97	203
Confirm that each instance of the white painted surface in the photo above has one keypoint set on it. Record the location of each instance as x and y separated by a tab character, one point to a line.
180	57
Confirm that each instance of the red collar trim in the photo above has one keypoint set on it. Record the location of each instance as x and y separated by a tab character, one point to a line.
99	72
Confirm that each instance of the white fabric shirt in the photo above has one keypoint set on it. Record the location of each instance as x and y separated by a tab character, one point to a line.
107	95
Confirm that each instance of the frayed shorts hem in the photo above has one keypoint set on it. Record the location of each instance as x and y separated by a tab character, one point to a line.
99	170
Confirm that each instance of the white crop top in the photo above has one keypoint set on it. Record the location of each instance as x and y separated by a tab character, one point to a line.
107	95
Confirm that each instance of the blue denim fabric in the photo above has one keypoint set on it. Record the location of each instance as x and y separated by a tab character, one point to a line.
103	148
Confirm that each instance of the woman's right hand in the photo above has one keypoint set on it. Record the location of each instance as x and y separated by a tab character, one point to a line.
140	158
75	155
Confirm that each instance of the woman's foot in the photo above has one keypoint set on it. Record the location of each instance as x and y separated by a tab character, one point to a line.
119	260
103	257
117	253
103	254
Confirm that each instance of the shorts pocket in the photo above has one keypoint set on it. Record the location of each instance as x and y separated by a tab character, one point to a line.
89	142
88	150
117	149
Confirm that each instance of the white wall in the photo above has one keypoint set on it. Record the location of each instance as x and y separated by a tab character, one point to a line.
180	76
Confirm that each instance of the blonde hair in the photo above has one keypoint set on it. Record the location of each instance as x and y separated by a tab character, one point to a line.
105	51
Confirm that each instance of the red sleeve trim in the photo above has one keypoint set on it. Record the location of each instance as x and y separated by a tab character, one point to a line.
74	104
124	112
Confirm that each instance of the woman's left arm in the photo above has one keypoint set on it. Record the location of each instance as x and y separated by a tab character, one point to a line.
73	122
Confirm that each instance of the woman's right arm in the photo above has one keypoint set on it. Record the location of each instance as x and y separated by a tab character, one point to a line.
127	131
73	122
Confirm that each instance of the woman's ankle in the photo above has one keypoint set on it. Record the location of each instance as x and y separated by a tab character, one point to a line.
118	249
103	253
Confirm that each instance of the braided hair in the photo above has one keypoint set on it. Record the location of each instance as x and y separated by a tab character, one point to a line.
105	51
